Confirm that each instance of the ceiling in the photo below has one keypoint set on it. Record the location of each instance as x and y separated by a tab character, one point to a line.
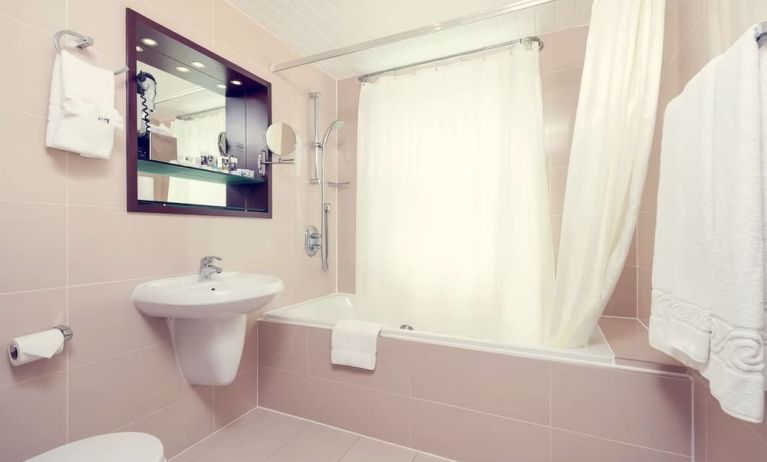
314	26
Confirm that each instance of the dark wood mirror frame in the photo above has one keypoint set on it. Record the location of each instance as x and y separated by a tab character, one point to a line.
248	114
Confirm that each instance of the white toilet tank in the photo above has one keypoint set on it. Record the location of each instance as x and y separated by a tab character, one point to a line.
112	447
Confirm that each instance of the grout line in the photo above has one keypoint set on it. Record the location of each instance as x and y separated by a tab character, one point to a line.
357	440
621	442
348	431
290	440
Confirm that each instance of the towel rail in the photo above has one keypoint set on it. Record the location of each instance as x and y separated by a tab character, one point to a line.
82	42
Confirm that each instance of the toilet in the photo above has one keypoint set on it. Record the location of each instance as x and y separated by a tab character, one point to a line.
112	447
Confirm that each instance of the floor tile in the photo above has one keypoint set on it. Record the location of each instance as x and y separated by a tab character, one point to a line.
316	443
368	450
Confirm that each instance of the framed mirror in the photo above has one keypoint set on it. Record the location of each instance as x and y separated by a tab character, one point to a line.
197	128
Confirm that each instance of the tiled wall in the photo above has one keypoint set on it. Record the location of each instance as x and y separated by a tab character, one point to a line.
478	406
72	255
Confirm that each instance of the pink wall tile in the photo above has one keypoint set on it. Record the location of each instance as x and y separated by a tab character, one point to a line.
48	165
249	358
236	398
573	447
27	313
474	437
336	404
730	439
33	417
700	418
560	100
157	243
391	374
107	324
643	409
346	275
44	14
109	394
558	184
181	424
282	346
646	240
34	246
481	381
35	57
567	48
628	339
624	299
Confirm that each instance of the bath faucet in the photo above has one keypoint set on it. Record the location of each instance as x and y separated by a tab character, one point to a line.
207	268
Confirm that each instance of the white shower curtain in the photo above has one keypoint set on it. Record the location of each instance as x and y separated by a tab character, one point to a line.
608	161
453	229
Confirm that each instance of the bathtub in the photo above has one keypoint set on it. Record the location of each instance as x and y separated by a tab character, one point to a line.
326	311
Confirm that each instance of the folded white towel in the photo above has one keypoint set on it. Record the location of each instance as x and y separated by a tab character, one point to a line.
81	113
708	297
355	343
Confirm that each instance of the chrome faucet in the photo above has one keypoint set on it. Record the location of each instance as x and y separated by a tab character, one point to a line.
207	268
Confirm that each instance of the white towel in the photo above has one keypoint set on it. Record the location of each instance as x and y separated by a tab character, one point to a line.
81	113
708	297
355	343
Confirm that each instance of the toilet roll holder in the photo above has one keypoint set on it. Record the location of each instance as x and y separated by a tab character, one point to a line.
66	331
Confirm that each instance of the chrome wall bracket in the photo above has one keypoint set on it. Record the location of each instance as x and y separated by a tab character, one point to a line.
312	240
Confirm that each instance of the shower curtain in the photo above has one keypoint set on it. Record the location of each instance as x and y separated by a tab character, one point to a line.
608	162
453	228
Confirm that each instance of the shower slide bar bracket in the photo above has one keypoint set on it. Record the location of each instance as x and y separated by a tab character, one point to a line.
81	41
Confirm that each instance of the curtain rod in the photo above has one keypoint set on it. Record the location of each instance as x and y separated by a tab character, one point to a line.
526	41
412	33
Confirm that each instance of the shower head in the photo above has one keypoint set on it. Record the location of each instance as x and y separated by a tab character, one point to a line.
337	124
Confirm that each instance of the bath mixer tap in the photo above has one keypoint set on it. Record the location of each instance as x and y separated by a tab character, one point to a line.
207	268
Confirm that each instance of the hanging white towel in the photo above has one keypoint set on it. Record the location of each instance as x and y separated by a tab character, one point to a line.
355	343
81	113
708	296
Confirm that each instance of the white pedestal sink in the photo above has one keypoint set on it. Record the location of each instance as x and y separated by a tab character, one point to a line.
207	319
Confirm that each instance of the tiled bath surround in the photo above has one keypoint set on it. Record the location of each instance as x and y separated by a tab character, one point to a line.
478	406
73	254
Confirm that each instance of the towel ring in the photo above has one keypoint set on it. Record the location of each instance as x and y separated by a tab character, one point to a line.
82	42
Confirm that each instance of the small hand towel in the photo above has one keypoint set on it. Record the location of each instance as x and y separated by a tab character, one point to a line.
708	295
355	343
81	113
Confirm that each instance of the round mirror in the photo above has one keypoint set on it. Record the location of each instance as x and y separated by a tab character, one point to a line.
281	139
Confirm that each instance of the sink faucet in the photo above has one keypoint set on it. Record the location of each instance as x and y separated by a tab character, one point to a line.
207	268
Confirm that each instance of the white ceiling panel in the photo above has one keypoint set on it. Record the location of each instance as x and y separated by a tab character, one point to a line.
314	26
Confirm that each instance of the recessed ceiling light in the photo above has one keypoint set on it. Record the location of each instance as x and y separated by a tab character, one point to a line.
235	82
182	69
197	64
221	86
149	42
139	49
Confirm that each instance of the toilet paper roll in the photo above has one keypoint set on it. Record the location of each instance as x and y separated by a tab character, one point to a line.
32	347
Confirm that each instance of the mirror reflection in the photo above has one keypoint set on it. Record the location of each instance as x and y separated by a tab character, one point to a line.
281	139
185	124
200	123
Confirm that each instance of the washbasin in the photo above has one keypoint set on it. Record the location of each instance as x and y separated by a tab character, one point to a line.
225	294
207	316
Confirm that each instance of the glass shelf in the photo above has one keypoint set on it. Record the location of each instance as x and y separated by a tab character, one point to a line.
157	167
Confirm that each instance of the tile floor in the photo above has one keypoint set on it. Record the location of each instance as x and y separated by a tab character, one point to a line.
263	435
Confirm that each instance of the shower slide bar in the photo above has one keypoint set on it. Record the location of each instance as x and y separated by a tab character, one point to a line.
526	41
410	34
